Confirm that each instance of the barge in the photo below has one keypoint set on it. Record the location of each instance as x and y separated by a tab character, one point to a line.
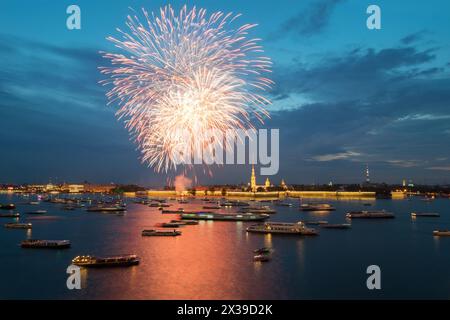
111	261
283	228
225	216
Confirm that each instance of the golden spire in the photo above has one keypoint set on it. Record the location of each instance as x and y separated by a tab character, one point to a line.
253	179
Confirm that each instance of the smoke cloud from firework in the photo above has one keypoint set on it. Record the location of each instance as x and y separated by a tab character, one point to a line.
181	75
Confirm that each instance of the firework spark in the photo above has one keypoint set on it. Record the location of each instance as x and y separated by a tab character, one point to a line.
184	75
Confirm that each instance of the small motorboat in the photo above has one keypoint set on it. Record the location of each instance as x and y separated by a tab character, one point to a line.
9	215
261	258
425	214
37	212
283	204
441	233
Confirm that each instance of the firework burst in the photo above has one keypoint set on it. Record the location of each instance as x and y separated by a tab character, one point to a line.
183	75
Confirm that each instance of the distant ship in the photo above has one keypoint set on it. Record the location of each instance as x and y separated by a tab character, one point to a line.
17	225
225	217
112	261
9	215
370	215
37	212
425	214
441	233
165	233
46	244
263	209
317	207
106	209
283	228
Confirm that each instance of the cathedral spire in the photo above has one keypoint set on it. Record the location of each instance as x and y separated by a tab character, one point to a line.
253	179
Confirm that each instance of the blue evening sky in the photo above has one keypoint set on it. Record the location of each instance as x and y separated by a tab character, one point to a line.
344	95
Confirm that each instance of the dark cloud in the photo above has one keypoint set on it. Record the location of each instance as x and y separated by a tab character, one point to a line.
386	107
413	37
312	20
361	72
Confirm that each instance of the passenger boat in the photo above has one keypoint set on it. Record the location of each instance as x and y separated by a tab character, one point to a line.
263	250
9	215
317	207
370	215
46	244
261	258
7	206
224	216
113	209
155	232
282	228
424	214
17	225
111	261
336	226
263	209
441	233
37	212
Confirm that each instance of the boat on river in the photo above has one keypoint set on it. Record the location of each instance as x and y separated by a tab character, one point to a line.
110	261
225	216
298	228
425	214
17	225
9	215
370	215
317	207
164	233
45	244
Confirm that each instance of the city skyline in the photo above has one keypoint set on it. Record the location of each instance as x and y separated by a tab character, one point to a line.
345	96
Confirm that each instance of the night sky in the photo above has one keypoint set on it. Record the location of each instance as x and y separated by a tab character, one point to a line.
344	95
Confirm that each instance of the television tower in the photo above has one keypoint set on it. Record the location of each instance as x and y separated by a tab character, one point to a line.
367	174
